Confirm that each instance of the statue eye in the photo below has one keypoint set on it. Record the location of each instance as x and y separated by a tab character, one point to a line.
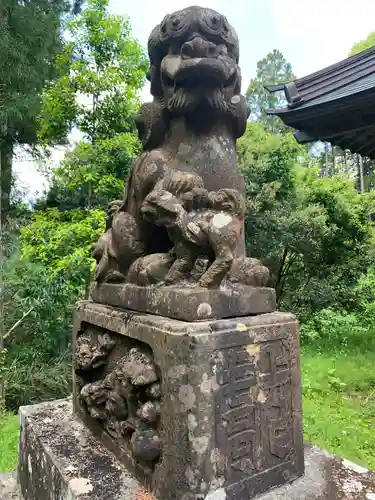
217	22
176	22
173	26
214	24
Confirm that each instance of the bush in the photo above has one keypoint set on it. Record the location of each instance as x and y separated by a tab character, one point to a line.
37	349
365	291
62	241
43	280
313	233
331	330
29	383
43	332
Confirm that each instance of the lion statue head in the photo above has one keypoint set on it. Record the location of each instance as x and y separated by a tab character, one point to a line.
194	69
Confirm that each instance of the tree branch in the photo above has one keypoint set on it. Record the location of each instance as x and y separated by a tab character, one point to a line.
11	300
17	323
280	272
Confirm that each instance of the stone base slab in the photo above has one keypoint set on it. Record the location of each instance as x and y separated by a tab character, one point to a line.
60	459
9	489
188	304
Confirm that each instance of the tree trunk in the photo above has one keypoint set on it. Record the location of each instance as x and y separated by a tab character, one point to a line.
326	168
361	183
5	179
6	153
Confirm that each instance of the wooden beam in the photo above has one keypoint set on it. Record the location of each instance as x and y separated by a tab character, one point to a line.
362	139
368	147
359	104
317	135
303	137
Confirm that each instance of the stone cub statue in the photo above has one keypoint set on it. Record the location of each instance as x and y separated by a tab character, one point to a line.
199	224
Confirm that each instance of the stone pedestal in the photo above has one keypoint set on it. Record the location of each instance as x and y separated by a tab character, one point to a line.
188	303
229	423
61	459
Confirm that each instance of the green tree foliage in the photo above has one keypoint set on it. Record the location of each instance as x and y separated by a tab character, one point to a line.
61	242
363	44
273	69
92	174
101	72
42	282
30	39
102	62
313	233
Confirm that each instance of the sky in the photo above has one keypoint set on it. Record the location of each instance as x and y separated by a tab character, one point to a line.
310	34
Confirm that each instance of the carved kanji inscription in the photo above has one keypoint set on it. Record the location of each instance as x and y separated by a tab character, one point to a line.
254	420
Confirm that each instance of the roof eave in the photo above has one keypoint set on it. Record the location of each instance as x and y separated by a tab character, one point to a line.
277	111
303	137
290	91
275	88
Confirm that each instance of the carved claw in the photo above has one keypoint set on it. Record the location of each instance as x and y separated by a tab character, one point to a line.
114	276
217	271
174	277
203	283
208	283
114	207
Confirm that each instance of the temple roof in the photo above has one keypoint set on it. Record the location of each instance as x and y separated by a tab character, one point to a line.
335	104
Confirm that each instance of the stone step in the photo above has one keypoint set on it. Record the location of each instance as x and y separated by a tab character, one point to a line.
9	489
60	459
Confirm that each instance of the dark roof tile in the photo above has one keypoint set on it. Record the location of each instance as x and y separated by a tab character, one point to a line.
329	80
335	104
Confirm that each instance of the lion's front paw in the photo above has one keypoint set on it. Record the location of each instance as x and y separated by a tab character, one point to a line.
172	278
205	283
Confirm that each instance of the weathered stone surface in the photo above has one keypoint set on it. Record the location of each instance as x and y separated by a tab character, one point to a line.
60	459
185	186
230	412
188	303
90	356
65	460
199	224
327	478
9	489
122	395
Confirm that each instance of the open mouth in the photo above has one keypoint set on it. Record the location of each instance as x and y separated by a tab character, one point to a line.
195	73
194	81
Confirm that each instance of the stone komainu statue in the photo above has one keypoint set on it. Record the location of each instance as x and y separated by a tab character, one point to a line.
187	374
191	127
